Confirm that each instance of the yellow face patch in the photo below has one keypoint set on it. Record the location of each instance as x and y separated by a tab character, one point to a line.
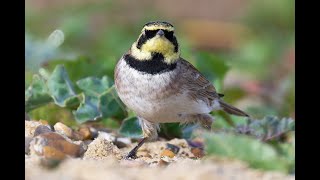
158	44
161	45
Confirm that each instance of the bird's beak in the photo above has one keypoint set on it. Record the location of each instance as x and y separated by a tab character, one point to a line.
160	33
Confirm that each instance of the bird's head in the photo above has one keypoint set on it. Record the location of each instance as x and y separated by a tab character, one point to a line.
156	38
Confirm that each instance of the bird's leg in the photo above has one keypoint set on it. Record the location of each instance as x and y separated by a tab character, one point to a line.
133	153
150	132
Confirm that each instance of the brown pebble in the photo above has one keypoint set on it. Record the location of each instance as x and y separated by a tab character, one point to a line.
167	153
63	129
197	152
52	153
85	133
42	142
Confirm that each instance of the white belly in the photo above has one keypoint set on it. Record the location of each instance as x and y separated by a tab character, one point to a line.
149	96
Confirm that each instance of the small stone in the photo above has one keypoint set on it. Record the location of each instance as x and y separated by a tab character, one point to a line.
175	149
41	130
94	132
85	133
27	141
63	129
53	145
197	152
167	153
122	142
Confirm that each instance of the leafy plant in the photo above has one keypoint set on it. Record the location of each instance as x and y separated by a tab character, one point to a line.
268	128
261	143
256	153
97	99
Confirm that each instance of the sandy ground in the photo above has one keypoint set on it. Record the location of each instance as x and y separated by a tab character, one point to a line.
104	160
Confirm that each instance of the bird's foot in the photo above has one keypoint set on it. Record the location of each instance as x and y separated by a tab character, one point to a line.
131	155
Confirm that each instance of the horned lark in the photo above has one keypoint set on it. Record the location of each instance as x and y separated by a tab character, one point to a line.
161	87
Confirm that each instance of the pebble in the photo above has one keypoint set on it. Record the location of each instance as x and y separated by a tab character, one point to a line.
50	152
63	129
197	152
54	146
175	149
167	153
85	133
122	142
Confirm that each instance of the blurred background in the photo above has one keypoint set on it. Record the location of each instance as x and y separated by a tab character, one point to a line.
245	47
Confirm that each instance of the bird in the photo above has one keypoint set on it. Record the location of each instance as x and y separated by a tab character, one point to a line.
159	86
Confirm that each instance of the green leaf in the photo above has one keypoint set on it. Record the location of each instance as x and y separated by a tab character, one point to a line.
53	114
60	87
100	101
88	109
256	153
269	127
83	67
94	86
37	94
110	105
171	130
130	127
72	102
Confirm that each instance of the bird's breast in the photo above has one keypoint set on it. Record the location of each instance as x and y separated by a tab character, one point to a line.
157	97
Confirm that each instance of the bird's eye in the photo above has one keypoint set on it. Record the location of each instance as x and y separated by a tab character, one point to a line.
150	33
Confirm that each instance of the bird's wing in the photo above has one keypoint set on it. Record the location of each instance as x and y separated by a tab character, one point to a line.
197	85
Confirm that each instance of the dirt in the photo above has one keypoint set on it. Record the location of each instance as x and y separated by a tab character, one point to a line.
104	160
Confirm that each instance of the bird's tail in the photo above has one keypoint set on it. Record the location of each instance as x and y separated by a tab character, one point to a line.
232	110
